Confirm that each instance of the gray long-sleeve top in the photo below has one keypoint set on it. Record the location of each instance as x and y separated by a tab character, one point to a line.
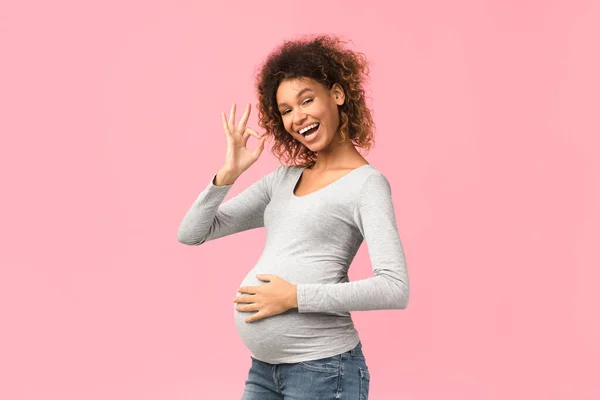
311	241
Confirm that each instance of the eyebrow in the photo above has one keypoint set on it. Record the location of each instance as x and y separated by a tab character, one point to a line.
307	89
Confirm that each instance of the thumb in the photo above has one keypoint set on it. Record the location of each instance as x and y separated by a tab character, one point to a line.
265	277
260	147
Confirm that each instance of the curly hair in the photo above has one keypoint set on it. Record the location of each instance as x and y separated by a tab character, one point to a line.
323	59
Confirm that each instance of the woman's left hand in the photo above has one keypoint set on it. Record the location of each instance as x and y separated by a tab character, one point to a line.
275	297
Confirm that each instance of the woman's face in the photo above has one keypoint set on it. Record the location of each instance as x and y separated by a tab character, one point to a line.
302	103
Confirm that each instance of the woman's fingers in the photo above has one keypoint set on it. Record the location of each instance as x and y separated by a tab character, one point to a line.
259	315
232	118
247	307
259	149
225	125
244	120
248	289
252	132
245	299
229	124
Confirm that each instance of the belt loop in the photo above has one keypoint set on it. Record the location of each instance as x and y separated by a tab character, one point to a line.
352	352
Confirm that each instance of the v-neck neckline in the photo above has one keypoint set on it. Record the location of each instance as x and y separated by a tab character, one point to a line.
324	187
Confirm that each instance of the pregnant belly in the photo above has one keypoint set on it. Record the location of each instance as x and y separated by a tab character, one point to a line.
291	334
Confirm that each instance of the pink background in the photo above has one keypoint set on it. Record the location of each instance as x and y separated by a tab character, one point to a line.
487	128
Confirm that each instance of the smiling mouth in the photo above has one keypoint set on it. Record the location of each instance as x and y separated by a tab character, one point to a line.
314	128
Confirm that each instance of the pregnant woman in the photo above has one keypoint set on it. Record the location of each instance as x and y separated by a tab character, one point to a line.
292	310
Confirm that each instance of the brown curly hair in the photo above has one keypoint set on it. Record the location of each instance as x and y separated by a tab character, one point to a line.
324	59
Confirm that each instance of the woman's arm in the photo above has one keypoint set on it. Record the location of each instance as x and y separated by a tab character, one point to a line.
208	219
389	287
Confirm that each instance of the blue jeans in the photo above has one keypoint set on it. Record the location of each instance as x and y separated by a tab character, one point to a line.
342	377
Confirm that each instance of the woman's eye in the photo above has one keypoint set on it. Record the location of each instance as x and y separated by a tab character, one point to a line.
305	102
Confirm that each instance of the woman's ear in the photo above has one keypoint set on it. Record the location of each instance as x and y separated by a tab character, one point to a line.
338	94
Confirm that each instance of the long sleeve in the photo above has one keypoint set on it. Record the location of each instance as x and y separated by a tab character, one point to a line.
208	219
389	287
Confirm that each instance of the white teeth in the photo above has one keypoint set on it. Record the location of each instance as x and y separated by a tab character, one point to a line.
307	128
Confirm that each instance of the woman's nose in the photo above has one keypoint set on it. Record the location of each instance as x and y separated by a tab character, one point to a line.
299	117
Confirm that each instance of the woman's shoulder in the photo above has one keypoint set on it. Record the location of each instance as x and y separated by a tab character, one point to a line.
366	171
280	174
372	179
285	171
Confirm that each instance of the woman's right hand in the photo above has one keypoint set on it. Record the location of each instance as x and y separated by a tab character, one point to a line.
238	158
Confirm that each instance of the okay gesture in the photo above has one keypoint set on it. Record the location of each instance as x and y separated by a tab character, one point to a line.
275	297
